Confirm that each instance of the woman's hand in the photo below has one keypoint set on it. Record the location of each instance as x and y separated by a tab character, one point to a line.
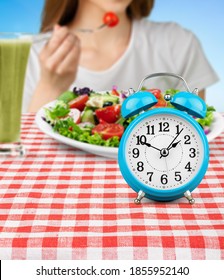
59	58
59	62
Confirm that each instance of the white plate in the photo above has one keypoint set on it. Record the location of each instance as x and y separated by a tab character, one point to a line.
216	128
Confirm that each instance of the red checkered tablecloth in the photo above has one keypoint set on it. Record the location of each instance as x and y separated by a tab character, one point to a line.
61	203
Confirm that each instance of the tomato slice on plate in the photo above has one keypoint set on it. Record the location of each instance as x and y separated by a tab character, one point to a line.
79	102
156	92
109	114
161	103
108	130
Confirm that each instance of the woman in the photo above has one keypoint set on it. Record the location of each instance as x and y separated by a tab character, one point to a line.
120	56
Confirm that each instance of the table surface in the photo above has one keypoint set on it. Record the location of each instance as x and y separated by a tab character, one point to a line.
61	203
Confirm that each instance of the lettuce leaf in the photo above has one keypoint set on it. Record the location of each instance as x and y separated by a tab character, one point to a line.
71	130
60	110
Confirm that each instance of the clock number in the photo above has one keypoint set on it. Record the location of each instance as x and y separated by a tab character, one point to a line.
164	127
187	139
177	176
135	152
188	167
141	139
150	129
164	179
192	152
140	165
178	129
150	176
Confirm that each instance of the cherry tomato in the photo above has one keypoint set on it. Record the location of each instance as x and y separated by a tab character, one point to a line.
110	19
156	92
108	130
109	114
79	102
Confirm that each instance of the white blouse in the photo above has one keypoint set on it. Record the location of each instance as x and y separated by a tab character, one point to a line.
153	47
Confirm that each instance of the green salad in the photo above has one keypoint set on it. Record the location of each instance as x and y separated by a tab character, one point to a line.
94	118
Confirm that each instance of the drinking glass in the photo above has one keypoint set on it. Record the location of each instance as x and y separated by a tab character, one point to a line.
14	52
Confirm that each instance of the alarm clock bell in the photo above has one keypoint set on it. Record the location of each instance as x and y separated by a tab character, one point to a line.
189	102
142	100
139	101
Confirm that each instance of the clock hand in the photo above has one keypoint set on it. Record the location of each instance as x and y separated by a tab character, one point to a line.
174	145
167	170
174	139
165	152
149	145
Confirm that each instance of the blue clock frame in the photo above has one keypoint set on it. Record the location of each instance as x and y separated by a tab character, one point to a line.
151	193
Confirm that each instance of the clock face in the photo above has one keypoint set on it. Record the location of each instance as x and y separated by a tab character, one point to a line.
164	151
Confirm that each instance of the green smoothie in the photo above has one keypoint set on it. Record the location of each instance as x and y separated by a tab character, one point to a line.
13	60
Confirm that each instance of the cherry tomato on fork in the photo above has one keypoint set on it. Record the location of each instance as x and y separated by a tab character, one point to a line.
110	19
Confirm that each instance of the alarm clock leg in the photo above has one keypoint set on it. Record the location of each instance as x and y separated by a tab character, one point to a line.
189	197
139	197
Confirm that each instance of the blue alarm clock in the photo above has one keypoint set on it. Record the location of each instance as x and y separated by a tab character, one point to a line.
163	154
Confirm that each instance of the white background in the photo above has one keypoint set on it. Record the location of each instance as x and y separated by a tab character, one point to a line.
26	270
